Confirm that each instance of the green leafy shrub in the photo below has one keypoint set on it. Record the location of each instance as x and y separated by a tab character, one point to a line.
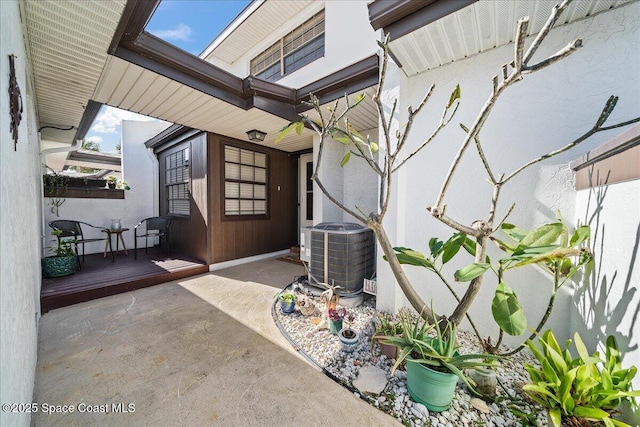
287	297
586	388
64	248
430	345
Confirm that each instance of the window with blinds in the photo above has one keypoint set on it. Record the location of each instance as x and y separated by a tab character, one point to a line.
245	182
177	183
300	47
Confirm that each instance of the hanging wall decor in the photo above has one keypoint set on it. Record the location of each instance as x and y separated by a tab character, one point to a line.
15	102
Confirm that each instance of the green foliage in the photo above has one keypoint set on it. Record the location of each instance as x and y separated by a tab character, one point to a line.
90	145
547	246
584	387
430	345
386	324
57	186
119	184
345	134
507	310
64	247
287	297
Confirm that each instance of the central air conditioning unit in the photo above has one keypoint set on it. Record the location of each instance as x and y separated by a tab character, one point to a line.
343	255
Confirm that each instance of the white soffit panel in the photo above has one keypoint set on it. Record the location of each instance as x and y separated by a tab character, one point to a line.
68	42
130	87
363	117
262	23
481	26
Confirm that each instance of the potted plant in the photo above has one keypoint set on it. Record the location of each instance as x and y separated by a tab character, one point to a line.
287	302
433	362
112	181
348	337
65	260
386	325
335	319
55	186
581	391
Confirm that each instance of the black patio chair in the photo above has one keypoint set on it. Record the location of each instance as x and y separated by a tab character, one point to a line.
156	226
72	230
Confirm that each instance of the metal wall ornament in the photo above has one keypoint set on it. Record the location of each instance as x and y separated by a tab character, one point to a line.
15	102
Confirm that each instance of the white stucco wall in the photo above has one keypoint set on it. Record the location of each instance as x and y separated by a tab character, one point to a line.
343	17
20	220
545	111
360	181
139	170
608	303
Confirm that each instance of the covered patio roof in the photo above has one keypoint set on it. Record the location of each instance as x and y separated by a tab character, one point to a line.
432	33
121	65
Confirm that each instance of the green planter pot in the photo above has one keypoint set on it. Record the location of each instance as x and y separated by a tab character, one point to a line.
433	389
59	266
335	326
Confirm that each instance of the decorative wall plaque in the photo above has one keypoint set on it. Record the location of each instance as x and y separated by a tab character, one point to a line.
15	102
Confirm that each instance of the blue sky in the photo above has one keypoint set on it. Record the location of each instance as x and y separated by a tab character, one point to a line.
189	24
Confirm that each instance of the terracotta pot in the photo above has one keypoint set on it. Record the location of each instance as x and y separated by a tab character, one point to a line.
391	351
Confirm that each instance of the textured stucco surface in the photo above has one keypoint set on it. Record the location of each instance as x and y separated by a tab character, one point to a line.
20	222
545	111
608	301
139	170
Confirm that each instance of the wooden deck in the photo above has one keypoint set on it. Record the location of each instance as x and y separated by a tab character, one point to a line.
100	277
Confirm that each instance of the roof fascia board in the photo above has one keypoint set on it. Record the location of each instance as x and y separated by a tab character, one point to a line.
90	113
163	52
179	75
361	75
172	132
95	157
284	110
135	16
254	86
168	144
383	13
404	18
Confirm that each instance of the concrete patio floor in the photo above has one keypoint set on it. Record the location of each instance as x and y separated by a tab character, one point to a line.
195	352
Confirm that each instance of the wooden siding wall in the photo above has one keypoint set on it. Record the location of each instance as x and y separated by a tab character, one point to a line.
239	238
189	235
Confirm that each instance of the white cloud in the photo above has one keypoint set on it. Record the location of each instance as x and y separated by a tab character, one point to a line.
109	120
95	138
180	32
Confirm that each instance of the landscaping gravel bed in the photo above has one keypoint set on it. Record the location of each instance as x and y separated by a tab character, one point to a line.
323	348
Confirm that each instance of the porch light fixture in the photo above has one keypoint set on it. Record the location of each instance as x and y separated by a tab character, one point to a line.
256	135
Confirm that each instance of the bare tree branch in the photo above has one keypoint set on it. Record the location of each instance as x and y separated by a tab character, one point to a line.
504	218
542	34
561	54
411	114
521	34
455	225
604	115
